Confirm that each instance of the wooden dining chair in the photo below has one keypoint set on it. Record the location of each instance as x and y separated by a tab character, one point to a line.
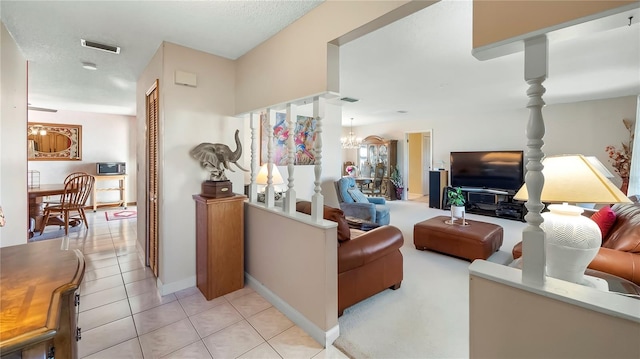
375	187
77	188
58	199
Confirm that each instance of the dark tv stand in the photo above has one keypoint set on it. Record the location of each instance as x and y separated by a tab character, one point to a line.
489	202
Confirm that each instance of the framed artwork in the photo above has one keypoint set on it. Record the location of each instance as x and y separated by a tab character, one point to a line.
304	133
54	142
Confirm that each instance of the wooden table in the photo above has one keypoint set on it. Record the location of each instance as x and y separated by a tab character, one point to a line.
37	306
363	181
35	203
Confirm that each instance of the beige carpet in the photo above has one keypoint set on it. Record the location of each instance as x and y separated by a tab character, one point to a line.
419	198
428	317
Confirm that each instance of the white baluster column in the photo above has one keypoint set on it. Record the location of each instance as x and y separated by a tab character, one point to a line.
253	187
269	199
290	199
533	237
317	200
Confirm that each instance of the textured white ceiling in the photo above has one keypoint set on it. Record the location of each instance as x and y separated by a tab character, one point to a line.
421	64
49	33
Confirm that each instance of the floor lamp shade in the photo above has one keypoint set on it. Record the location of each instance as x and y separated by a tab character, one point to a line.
572	240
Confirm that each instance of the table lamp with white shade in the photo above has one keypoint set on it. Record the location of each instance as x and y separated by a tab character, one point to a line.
572	240
276	179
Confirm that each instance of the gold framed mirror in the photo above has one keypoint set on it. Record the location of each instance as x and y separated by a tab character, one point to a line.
54	142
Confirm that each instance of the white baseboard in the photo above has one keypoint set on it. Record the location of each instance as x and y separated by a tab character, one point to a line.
324	338
173	287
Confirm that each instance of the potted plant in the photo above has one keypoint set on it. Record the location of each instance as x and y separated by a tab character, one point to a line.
456	199
396	179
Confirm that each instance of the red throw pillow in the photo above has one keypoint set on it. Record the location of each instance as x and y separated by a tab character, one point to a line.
604	218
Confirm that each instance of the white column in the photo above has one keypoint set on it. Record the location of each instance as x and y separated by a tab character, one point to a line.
269	199
533	238
253	187
290	199
317	200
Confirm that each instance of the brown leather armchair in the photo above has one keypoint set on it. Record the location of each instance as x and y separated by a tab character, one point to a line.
368	262
620	251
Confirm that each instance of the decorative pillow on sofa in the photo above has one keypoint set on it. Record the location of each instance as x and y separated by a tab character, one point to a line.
357	195
330	214
604	218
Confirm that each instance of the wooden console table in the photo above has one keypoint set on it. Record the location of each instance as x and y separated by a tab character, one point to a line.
219	244
38	282
121	188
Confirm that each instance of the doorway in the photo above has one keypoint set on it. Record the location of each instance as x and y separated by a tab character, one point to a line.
418	163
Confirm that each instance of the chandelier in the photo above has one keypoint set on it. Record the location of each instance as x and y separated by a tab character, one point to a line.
350	141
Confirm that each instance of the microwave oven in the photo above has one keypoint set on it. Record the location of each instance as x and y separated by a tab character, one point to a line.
111	168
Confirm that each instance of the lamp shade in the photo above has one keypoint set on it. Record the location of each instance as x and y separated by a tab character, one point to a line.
275	174
572	240
599	166
574	179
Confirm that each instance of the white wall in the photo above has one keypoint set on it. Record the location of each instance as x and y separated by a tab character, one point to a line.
582	127
511	319
13	141
105	138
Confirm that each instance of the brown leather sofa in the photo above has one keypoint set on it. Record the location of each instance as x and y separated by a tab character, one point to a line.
620	251
368	262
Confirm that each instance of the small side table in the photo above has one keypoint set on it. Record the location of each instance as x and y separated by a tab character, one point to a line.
219	244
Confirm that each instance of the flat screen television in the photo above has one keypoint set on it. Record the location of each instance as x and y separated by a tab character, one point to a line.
497	170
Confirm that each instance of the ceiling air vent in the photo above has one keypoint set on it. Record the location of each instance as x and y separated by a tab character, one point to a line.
98	46
349	99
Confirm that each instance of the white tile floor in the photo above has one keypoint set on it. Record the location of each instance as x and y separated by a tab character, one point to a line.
123	316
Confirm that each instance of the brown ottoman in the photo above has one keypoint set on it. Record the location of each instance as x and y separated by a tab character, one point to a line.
477	240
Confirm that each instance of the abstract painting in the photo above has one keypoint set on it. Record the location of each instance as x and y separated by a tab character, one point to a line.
304	133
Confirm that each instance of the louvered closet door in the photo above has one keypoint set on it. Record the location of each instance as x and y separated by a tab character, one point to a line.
152	176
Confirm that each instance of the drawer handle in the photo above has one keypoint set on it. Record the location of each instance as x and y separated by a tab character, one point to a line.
78	333
51	354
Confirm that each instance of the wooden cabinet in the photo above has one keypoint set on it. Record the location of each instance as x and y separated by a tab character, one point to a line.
39	309
219	244
374	150
110	180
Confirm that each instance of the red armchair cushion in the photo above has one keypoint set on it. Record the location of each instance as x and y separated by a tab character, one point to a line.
604	218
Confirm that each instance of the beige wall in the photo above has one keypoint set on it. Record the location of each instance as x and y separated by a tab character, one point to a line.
415	163
293	63
277	255
151	73
188	116
495	21
13	141
559	320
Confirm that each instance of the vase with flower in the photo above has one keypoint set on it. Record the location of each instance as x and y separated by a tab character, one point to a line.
351	170
620	158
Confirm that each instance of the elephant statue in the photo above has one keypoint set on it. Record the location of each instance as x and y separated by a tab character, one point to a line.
216	157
